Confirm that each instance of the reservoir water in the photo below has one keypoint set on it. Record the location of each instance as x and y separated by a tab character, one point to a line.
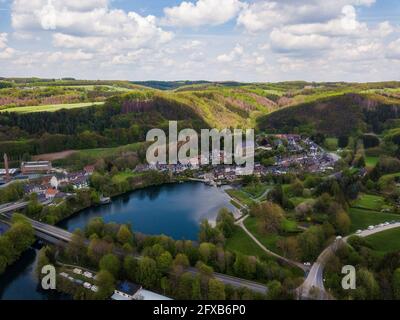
174	210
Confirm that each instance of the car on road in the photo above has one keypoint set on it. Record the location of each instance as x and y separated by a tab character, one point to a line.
371	228
339	238
358	231
77	271
87	285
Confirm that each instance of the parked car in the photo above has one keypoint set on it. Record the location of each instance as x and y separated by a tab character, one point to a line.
88	274
371	228
77	271
94	288
64	275
87	285
339	238
358	231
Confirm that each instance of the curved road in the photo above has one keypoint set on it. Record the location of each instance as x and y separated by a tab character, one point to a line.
313	286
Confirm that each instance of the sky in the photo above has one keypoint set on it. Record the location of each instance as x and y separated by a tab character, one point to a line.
216	40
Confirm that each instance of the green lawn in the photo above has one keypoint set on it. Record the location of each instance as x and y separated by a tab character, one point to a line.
122	176
240	242
386	241
268	240
361	218
371	162
256	190
51	108
241	196
371	202
105	152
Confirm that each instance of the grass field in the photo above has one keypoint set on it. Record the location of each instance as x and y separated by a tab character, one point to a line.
122	176
371	202
386	241
256	190
104	152
371	162
268	240
240	242
51	108
88	156
361	218
241	196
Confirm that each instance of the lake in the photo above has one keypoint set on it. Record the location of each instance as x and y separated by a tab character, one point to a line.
174	210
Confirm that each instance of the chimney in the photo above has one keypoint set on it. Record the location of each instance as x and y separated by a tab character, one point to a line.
6	167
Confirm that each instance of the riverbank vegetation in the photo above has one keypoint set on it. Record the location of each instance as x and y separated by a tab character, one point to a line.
18	238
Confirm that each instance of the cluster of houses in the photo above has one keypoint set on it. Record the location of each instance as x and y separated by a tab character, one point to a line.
300	154
49	186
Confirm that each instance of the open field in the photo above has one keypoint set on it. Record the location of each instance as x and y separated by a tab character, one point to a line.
371	162
54	156
386	241
123	176
371	202
361	218
242	243
241	196
88	156
256	190
51	108
268	240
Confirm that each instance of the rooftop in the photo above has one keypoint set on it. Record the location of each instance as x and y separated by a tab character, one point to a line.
128	287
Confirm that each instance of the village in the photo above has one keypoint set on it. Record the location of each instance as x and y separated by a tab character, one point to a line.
290	154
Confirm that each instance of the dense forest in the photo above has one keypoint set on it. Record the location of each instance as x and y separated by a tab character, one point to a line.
343	115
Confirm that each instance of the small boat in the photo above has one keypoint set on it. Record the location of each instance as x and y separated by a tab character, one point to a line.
105	200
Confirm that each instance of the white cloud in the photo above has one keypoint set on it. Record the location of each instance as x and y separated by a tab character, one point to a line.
203	12
87	20
393	50
60	56
3	40
236	53
265	15
282	41
5	51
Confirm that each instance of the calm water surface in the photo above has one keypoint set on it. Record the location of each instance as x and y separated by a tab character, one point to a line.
174	210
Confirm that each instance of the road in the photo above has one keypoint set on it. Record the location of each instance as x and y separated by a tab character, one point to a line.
313	286
12	207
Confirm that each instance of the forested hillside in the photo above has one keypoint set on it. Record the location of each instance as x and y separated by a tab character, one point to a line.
335	116
130	109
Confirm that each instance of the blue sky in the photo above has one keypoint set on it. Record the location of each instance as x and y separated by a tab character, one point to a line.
243	40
